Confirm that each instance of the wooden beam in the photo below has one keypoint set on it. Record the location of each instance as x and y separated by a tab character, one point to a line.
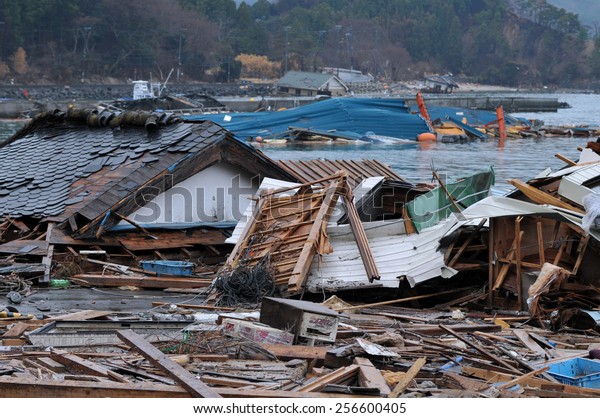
529	342
290	352
174	370
541	246
565	159
408	377
80	315
370	377
140	281
523	378
76	364
333	377
518	237
491	264
542	198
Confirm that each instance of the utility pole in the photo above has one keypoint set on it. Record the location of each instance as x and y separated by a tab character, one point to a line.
179	54
338	29
349	39
286	30
86	32
179	58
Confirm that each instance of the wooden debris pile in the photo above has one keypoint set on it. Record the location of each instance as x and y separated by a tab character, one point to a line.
376	351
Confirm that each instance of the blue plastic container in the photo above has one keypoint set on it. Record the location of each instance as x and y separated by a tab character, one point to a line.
577	372
171	268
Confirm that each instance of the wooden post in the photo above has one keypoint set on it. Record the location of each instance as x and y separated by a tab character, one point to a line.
491	264
47	260
541	249
518	259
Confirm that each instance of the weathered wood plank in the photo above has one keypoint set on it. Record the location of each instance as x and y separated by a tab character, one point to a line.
408	377
159	359
140	281
369	376
333	377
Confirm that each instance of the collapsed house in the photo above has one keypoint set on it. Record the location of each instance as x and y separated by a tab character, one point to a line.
129	186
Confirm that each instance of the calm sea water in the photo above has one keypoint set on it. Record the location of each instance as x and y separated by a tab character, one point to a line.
515	158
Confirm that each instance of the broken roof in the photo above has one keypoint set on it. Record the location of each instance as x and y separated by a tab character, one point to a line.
86	162
357	170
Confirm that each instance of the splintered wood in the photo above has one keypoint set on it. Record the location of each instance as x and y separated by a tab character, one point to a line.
288	231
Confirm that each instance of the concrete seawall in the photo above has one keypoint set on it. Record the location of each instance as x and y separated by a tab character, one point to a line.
16	101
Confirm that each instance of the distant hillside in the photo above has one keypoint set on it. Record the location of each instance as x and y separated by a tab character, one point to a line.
588	10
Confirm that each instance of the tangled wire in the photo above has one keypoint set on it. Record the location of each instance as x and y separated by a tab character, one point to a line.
15	283
245	286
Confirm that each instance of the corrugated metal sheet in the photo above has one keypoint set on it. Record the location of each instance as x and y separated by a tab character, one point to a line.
358	170
414	256
572	186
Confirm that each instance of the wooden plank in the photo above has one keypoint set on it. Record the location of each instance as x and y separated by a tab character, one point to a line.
333	377
25	246
518	237
542	198
529	342
581	251
81	315
408	377
18	330
140	281
523	378
290	352
370	377
541	245
76	364
174	370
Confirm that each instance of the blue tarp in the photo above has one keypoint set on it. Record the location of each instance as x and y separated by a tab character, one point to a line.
473	116
352	117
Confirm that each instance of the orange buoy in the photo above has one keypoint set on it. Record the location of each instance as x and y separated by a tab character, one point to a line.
426	136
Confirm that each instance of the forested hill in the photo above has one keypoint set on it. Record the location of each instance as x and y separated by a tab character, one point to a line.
524	43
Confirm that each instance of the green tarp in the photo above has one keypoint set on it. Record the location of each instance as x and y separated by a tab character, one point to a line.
434	206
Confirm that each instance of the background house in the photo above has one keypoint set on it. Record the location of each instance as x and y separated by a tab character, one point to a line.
300	83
